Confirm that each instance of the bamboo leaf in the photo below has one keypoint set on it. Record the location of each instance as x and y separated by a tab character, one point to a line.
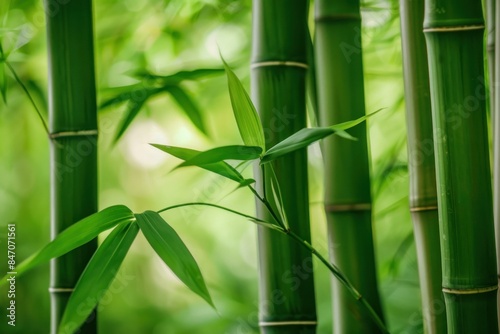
181	75
3	76
172	250
312	91
133	108
218	154
222	168
76	235
189	106
298	140
246	116
343	134
307	136
3	82
246	183
268	225
278	199
98	276
113	101
350	124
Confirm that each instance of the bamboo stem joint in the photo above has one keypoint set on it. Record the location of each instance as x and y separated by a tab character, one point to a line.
348	207
287	323
470	291
82	133
279	63
452	29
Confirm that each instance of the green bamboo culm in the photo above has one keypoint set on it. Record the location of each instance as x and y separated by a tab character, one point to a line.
338	55
279	68
73	133
490	7
454	38
495	94
421	165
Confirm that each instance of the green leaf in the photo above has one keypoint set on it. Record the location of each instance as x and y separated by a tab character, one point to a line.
350	124
267	225
133	108
3	76
246	183
182	75
221	168
298	140
244	111
278	198
189	106
98	276
343	134
76	235
3	82
121	94
307	136
312	91
218	154
172	250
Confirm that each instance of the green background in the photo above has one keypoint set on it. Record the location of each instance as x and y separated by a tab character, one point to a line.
165	37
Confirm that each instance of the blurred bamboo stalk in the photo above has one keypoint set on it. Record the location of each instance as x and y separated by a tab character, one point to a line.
279	67
490	49
421	164
73	133
494	61
340	86
454	37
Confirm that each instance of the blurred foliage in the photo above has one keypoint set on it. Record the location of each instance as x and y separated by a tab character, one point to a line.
164	37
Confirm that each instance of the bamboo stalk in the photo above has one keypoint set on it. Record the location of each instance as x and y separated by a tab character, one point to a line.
494	96
454	36
347	185
279	67
421	165
490	49
73	134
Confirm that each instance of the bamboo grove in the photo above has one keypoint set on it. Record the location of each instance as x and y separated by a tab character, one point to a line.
306	57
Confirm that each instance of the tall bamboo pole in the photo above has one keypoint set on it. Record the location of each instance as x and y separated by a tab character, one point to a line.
347	186
421	164
490	49
496	134
454	35
279	67
73	133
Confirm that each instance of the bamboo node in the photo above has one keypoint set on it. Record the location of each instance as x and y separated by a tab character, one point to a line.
470	291
61	290
81	133
287	323
423	208
279	63
348	207
456	28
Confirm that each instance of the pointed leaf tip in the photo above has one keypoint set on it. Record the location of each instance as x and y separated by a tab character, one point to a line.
349	124
244	111
222	168
172	250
